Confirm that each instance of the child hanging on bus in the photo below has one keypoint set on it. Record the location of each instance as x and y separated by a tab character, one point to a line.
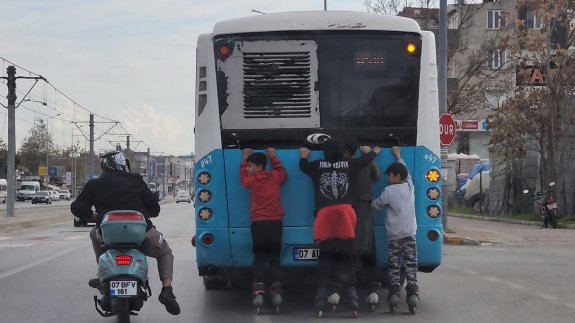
266	216
361	185
398	200
334	226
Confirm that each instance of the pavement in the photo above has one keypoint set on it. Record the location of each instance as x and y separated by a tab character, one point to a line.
28	216
473	236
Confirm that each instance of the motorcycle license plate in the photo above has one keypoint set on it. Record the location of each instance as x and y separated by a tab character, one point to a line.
305	254
123	288
551	206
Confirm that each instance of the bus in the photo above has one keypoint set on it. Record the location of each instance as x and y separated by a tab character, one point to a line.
293	79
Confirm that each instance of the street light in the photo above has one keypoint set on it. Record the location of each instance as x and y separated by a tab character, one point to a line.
257	11
48	150
41	102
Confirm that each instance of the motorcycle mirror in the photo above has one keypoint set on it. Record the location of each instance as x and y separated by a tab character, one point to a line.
525	191
551	184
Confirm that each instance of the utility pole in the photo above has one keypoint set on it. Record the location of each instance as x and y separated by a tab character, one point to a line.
91	172
324	5
149	167
442	84
164	180
11	162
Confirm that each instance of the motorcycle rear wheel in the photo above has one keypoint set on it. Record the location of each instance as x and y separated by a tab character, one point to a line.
121	306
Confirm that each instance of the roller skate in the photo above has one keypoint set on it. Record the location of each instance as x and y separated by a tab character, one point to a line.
334	298
276	295
320	301
412	298
352	300
393	297
374	289
258	290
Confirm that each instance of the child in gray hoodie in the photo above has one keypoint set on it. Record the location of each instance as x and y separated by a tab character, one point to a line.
398	200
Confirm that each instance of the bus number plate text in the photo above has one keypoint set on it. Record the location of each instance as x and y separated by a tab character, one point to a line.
305	254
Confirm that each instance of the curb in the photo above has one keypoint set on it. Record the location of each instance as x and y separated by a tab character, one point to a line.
460	241
513	221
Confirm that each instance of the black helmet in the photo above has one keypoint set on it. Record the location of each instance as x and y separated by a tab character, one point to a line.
115	160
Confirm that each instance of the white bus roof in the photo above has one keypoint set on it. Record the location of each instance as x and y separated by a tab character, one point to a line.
315	20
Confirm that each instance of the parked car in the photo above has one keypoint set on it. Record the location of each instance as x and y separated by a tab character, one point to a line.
183	196
64	194
55	195
42	197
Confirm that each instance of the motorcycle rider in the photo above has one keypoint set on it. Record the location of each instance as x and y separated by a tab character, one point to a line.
118	189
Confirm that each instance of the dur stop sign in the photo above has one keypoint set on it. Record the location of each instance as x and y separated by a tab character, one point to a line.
446	129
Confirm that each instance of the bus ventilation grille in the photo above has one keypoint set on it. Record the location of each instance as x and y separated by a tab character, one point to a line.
277	85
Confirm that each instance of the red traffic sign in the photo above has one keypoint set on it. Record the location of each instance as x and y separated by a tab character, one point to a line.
446	129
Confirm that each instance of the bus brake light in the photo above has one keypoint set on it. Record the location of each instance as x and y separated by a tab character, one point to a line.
224	51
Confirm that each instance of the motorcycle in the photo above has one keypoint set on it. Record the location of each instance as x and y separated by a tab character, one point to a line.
122	268
548	209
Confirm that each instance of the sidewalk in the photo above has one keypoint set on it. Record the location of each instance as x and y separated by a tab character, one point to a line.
35	217
475	237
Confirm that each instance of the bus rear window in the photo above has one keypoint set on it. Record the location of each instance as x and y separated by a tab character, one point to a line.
368	81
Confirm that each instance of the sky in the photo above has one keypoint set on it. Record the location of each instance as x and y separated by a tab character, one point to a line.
131	61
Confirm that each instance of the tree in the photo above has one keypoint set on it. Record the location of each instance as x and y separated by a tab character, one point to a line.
545	69
36	146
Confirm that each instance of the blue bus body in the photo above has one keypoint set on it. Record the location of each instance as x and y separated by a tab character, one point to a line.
230	116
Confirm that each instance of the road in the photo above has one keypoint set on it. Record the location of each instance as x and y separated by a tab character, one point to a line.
44	274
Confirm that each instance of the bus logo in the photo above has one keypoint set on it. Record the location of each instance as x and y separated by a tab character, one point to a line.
318	138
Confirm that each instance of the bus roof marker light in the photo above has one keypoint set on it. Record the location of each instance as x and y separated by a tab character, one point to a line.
411	48
224	51
432	175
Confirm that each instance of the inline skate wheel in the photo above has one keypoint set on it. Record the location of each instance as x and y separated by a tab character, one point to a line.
392	308
412	309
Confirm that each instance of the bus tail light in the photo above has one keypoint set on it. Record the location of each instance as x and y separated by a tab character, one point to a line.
433	193
433	211
224	50
432	235
204	196
433	175
205	214
411	48
204	178
207	239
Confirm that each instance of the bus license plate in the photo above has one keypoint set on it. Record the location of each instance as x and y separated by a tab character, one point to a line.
305	254
123	288
551	206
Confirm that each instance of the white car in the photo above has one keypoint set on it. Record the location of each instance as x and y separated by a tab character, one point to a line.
183	196
54	195
64	194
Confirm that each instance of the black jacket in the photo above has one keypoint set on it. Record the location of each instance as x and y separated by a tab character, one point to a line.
332	180
115	190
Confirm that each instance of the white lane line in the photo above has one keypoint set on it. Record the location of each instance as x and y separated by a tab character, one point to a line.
5	238
471	272
16	245
450	266
75	237
517	286
492	279
37	262
548	297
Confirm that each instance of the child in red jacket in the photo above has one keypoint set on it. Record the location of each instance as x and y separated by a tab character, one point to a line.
266	215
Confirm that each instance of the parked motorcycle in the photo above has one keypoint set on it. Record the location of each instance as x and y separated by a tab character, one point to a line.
122	268
548	209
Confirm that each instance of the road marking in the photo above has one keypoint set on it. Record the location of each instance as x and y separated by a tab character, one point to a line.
517	286
548	297
37	262
75	237
471	272
262	318
492	279
16	245
5	238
